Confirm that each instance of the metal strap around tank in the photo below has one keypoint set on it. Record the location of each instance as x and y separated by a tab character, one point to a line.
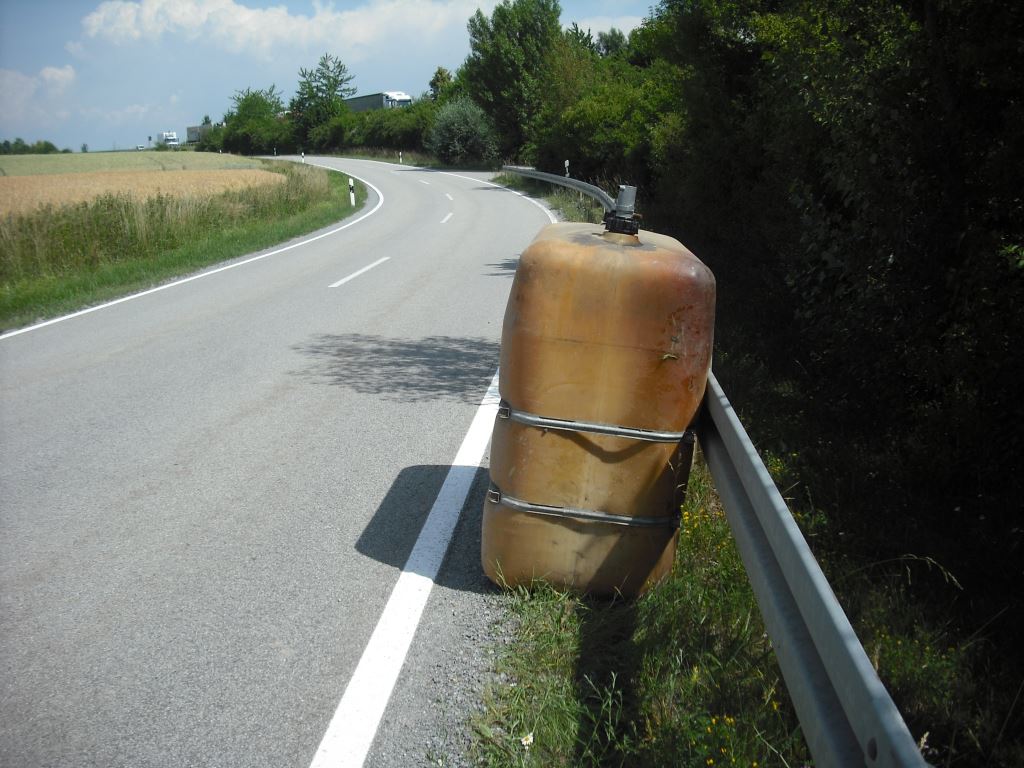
495	496
505	411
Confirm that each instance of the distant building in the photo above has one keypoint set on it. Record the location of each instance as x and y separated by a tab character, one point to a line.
384	100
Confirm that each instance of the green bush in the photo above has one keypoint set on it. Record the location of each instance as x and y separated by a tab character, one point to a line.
462	133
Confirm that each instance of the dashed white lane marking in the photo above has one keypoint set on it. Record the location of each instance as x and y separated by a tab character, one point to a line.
549	214
132	297
358	272
421	181
354	725
448	195
445	219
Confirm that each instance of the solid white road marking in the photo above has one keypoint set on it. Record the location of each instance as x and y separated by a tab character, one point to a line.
357	273
445	219
550	215
132	297
354	725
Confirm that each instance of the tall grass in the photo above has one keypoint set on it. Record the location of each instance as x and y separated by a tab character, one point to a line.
116	227
58	257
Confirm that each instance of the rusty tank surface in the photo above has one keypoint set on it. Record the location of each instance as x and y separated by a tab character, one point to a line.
606	348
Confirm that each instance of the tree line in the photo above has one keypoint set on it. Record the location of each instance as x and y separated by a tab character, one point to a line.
21	147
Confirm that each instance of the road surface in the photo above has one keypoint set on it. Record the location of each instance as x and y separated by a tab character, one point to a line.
209	492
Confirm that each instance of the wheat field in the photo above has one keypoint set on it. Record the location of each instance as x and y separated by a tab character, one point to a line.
23	194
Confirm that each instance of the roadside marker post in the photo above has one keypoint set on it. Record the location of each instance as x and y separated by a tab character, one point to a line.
351	192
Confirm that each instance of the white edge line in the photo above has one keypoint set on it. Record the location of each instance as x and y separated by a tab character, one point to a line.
133	296
547	211
353	727
357	273
445	219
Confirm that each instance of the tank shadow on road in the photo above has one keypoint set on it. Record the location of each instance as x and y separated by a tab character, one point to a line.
432	368
395	526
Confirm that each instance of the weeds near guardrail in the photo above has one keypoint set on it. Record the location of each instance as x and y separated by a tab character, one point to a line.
572	206
683	676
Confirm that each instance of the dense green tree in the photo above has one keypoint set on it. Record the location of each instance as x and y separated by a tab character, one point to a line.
503	70
20	147
441	80
462	133
336	134
320	96
213	139
611	43
398	128
578	37
257	124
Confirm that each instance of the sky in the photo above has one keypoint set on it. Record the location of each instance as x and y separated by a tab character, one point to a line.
111	74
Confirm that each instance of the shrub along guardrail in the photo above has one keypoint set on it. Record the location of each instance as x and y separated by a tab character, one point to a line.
847	716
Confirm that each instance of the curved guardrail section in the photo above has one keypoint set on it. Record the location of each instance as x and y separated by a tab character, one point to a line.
847	715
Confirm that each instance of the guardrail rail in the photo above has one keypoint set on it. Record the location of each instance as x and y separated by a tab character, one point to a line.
847	715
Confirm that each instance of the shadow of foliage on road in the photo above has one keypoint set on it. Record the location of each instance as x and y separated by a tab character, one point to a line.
431	368
503	268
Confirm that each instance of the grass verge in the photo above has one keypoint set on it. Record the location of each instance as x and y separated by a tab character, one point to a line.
58	260
569	204
683	676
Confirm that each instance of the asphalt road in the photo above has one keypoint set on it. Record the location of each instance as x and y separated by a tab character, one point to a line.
208	493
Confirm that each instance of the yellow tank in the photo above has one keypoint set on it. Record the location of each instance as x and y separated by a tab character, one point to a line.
606	348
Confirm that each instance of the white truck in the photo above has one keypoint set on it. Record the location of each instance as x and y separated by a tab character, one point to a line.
170	138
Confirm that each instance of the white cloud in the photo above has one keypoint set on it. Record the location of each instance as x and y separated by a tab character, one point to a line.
57	79
30	97
239	28
76	49
16	93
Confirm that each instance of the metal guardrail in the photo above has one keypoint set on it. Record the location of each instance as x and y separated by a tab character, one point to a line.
619	214
565	181
847	716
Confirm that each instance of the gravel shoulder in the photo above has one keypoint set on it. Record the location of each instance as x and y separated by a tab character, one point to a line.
452	658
